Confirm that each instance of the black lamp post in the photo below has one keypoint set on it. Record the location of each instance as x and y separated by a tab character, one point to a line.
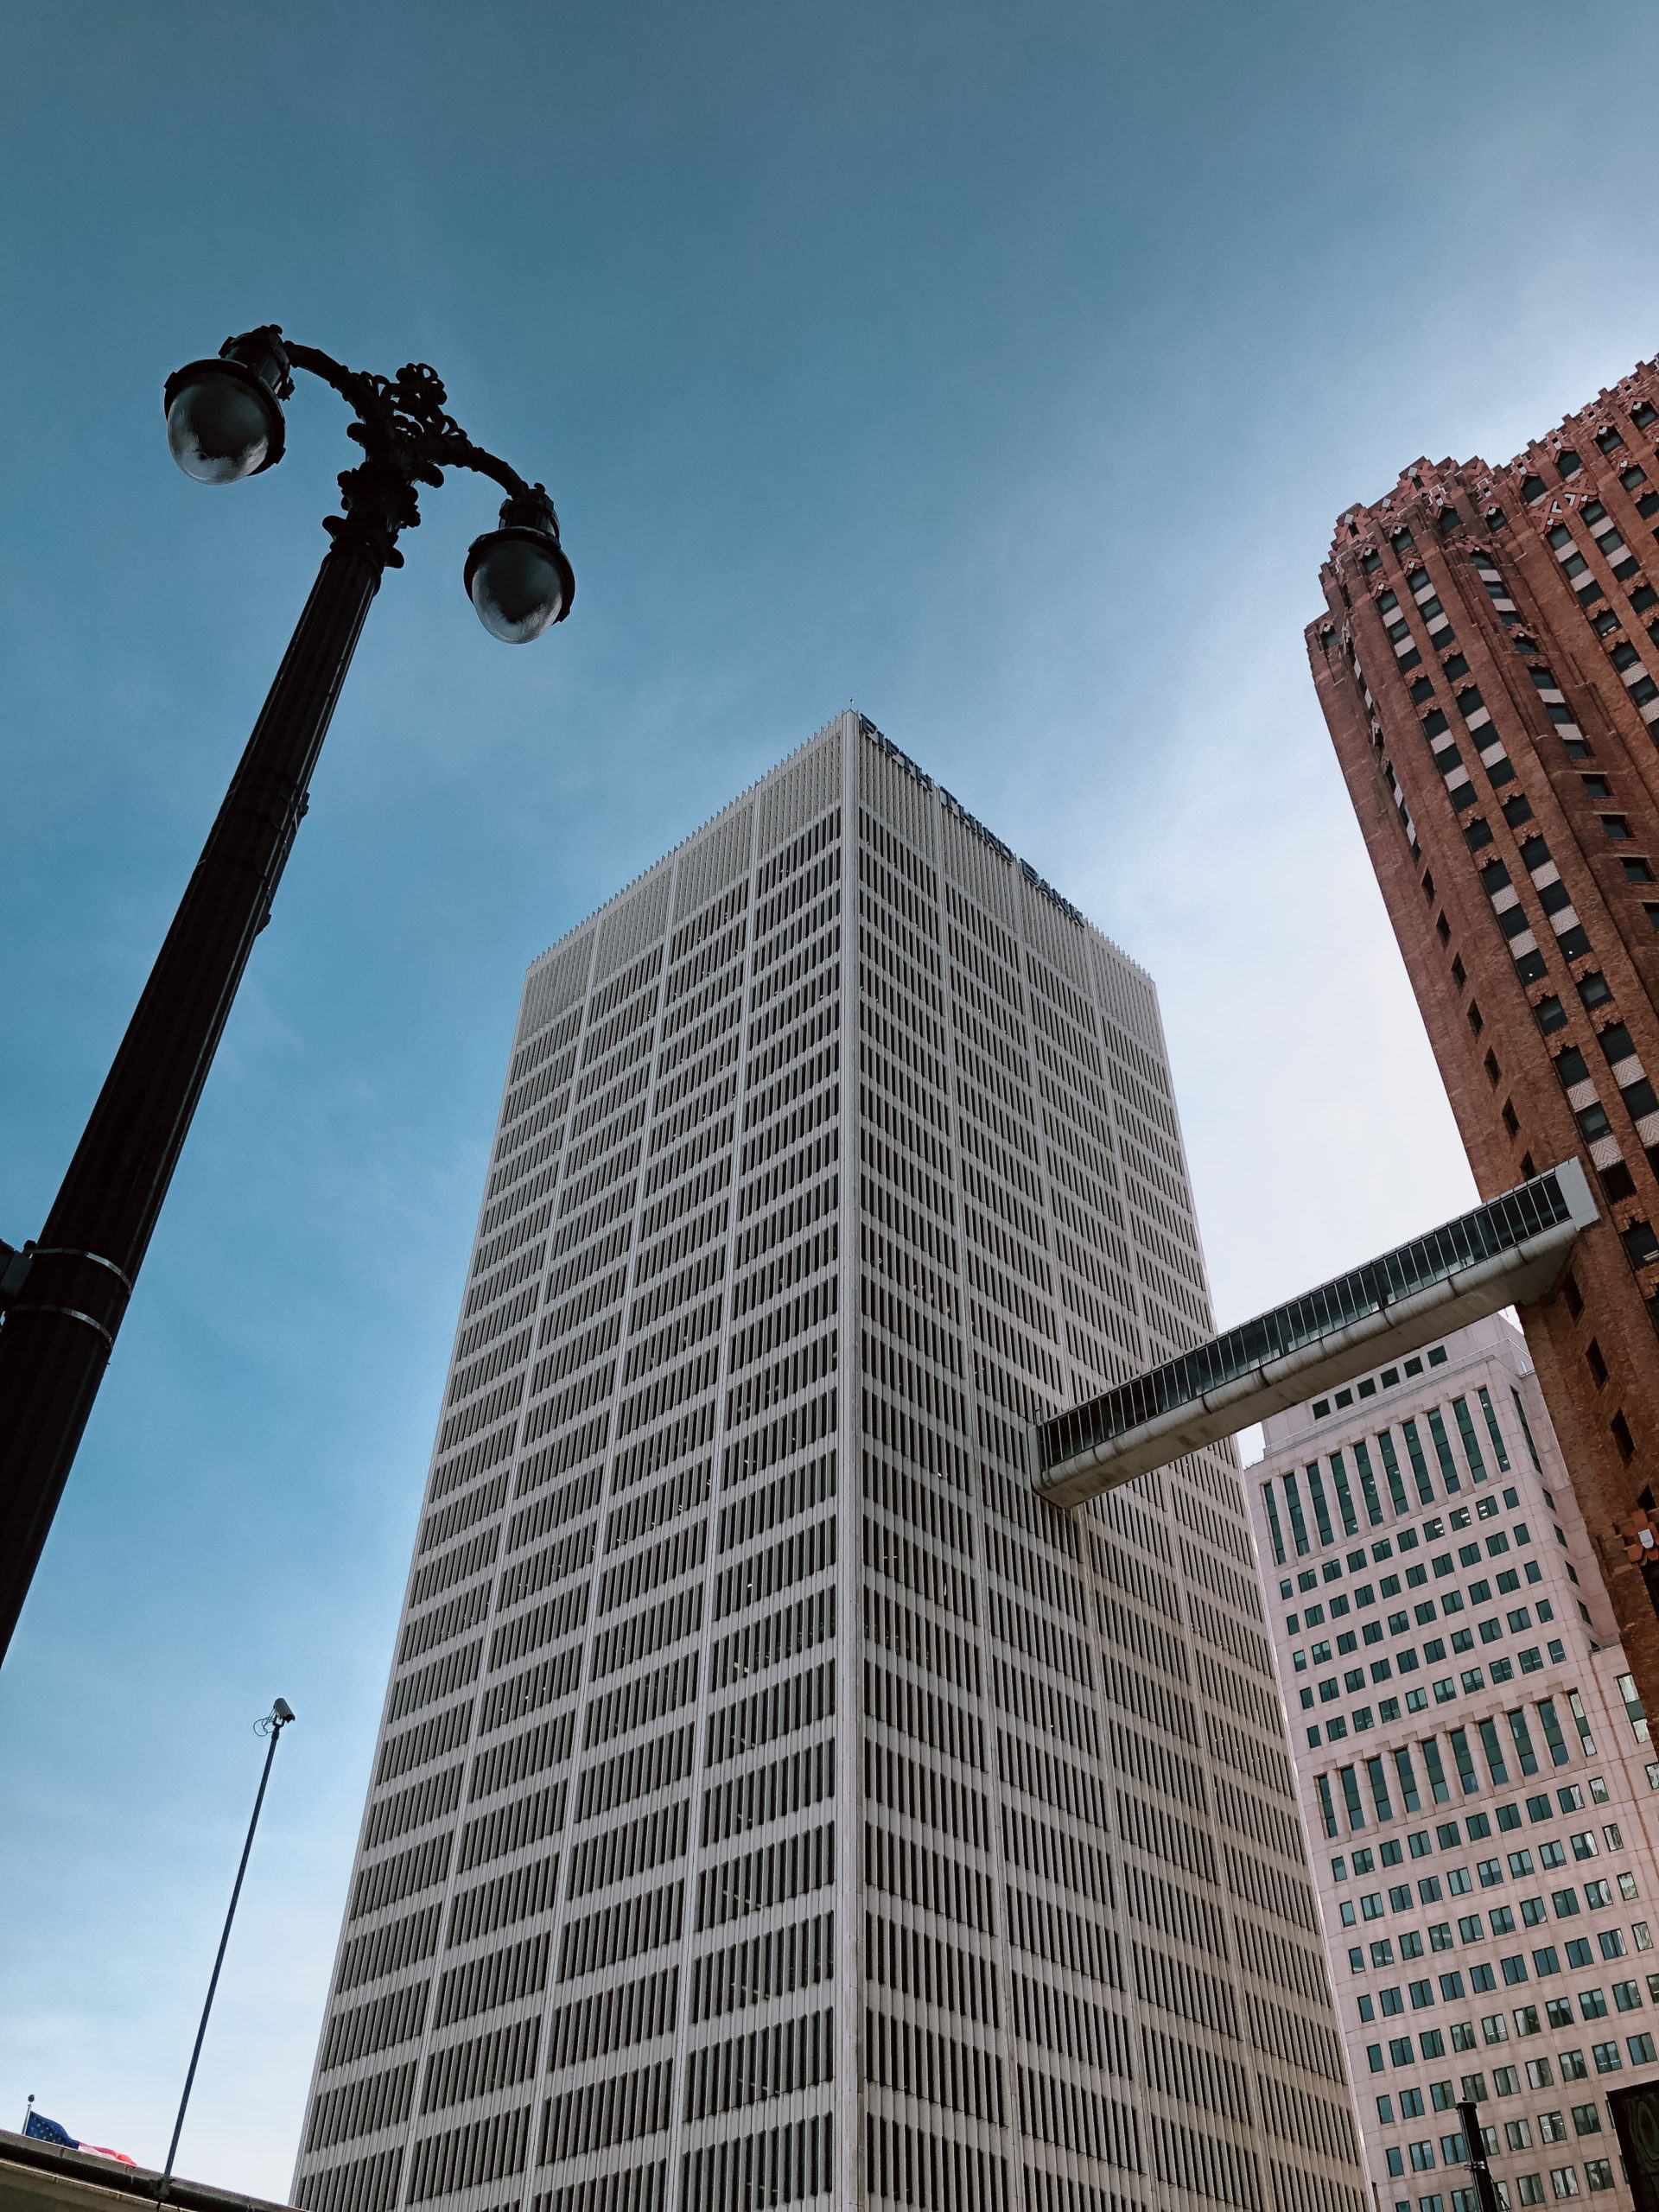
62	1298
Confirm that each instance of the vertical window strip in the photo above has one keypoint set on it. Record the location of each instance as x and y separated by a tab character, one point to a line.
1368	1478
1449	1474
1553	1736
1491	1745
1349	1783
1494	1431
1344	1496
1327	1810
1436	1767
1581	1721
1409	1796
1274	1530
1523	1735
1471	1442
1297	1523
1464	1758
1377	1774
1419	1465
1321	1512
1634	1710
1521	1415
1391	1469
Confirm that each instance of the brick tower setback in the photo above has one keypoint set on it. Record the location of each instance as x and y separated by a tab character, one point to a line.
1486	667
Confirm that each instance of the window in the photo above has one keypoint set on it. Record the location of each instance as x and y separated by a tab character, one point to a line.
1518	2135
1595	1362
1622	1436
1617	827
1551	1014
1552	2127
1635	870
1593	2005
1586	2119
1607	2057
1422	2158
1598	2173
1531	2189
1564	2180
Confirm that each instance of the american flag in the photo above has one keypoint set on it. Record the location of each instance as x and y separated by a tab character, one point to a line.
47	2130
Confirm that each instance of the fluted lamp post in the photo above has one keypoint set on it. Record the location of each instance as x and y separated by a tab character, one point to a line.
63	1296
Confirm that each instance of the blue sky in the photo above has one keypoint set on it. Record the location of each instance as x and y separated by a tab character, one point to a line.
1000	369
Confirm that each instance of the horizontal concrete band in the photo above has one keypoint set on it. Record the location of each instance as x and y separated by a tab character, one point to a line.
1525	1271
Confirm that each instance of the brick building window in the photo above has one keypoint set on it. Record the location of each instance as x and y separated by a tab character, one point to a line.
1622	1436
1595	1362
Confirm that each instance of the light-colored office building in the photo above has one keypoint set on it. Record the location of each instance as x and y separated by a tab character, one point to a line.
1474	1769
775	1801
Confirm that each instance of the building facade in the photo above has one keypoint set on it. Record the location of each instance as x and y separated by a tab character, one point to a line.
1474	1770
1488	664
773	1801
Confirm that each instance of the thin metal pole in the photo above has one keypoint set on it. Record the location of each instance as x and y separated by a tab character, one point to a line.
277	1727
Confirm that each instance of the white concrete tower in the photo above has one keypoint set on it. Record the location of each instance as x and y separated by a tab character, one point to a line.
773	1801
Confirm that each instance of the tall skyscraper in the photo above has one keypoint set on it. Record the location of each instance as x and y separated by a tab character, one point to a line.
1475	1770
775	1801
1485	668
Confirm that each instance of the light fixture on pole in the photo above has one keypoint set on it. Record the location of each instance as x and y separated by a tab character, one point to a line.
63	1296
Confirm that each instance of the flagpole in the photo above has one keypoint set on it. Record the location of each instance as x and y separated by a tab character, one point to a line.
273	1724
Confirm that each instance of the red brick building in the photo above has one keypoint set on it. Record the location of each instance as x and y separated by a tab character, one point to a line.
1488	667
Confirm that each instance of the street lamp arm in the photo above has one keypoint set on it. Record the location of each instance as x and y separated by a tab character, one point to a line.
405	416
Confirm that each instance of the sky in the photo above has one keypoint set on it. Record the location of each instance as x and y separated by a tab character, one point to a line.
1000	369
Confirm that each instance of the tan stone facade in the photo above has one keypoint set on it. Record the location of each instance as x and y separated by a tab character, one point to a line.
1489	667
1475	1771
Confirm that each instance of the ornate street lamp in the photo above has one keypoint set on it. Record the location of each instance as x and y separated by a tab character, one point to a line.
63	1297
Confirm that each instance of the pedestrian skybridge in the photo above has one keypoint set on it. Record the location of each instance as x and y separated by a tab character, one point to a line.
1505	1253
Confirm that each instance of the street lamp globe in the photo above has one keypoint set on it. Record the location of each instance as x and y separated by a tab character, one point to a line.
517	576
224	420
520	583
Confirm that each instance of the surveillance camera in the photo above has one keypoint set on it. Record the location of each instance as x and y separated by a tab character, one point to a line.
282	1709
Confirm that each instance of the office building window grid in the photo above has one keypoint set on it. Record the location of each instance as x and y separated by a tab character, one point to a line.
1484	1846
775	1800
